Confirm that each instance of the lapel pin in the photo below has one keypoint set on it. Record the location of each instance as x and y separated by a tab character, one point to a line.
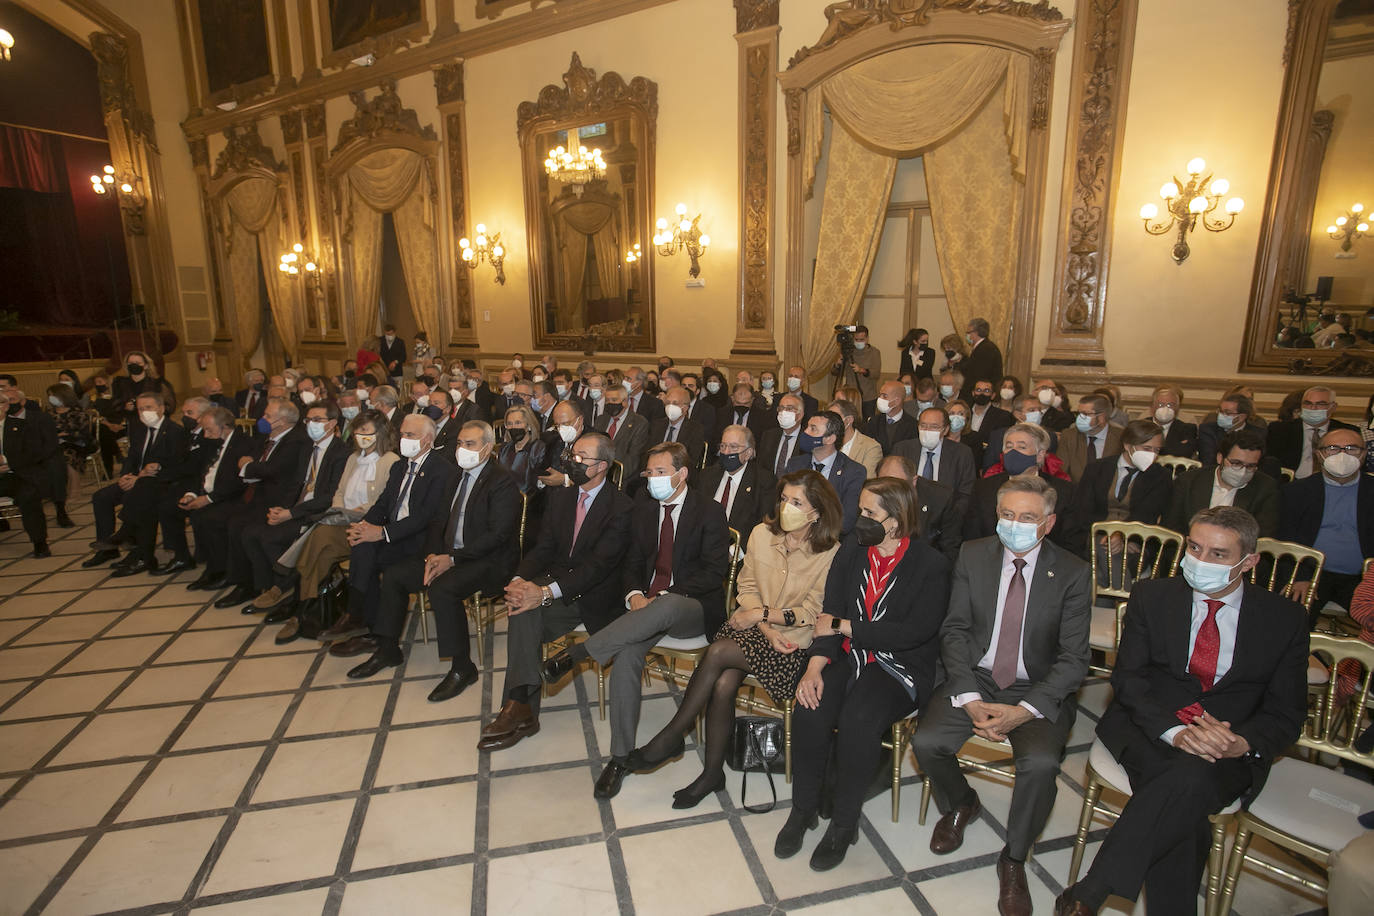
1050	574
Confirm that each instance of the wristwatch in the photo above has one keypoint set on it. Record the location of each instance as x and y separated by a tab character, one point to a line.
548	596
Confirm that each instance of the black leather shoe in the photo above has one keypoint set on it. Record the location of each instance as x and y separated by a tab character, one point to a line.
41	551
238	595
174	567
608	783
552	671
205	582
378	661
454	683
64	520
139	565
689	798
789	841
99	558
640	762
833	846
280	614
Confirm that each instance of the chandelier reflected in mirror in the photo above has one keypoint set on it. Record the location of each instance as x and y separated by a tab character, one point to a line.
575	165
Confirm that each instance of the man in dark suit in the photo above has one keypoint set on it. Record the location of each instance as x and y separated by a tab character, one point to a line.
676	426
939	527
506	398
747	410
779	443
157	446
563	391
673	585
470	547
1180	438
28	455
1130	487
392	350
273	478
209	494
1210	686
251	400
394	529
819	451
744	488
891	423
1333	511
1234	414
701	409
795	383
628	432
1015	650
1026	447
1056	417
939	458
1292	441
641	402
1233	479
984	361
214	393
571	575
480	393
320	468
985	420
449	420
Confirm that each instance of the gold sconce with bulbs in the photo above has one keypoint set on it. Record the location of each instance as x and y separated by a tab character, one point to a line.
1349	227
1187	203
684	234
300	263
127	188
575	165
484	248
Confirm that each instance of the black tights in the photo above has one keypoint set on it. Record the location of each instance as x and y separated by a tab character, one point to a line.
712	688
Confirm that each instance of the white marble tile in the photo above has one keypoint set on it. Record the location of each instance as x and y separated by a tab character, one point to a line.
186	783
299	903
57	696
234	722
432	891
111	735
542	806
28	869
712	850
168	684
417	824
22	744
53	802
319	766
109	653
428	752
574	881
339	709
281	844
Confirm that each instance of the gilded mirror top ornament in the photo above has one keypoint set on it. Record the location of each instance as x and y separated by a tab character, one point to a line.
244	150
383	114
582	94
117	94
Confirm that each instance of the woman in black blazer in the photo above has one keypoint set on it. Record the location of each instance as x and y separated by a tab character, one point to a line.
872	663
1129	487
918	359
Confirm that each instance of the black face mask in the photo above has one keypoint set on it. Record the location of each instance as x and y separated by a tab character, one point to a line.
731	462
869	531
134	369
517	434
613	410
16	409
651	387
100	389
982	400
190	423
259	386
949	354
350	373
577	473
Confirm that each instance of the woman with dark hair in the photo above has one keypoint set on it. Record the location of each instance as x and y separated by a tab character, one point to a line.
872	663
73	438
779	597
1008	394
69	378
918	358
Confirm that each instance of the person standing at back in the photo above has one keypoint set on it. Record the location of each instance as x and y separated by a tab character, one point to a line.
984	360
393	353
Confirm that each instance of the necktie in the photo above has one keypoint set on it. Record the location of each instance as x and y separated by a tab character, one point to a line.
582	498
1092	447
309	487
672	434
451	536
1125	487
267	450
1009	633
780	466
252	488
817	466
1203	664
739	417
725	494
663	565
615	425
928	471
148	444
402	508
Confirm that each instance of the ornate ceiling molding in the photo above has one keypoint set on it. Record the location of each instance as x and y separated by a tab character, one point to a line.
583	95
244	152
383	114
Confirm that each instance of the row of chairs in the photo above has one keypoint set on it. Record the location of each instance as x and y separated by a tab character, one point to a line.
1179	466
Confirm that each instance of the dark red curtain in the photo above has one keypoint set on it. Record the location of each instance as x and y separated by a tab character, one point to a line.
31	161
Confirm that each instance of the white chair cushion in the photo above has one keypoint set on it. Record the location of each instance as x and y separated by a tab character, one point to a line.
1313	803
690	644
1114	775
1102	635
1317	673
580	628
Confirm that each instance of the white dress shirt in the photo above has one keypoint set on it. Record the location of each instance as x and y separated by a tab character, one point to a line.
209	482
1228	620
676	502
1222	495
472	476
734	481
1008	570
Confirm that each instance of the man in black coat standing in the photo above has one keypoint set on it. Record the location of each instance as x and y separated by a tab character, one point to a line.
1210	685
984	361
392	350
28	447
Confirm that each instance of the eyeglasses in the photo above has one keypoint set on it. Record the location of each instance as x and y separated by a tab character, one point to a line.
1331	450
1241	465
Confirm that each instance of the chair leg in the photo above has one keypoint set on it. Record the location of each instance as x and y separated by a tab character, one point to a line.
1234	865
424	616
601	691
543	657
1216	861
898	752
925	799
787	738
1085	820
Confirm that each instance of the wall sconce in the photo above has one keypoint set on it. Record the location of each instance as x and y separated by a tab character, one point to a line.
1186	203
575	166
634	254
487	248
297	258
685	233
6	44
1353	225
127	187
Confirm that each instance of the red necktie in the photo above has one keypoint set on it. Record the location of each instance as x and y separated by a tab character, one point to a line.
1203	664
615	424
725	494
663	566
1009	633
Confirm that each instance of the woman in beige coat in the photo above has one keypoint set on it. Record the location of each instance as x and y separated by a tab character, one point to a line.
780	592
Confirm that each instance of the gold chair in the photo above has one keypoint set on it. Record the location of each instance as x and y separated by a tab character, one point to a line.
1146	552
567	640
421	607
245	424
1177	466
617	474
1305	808
1287	474
1005	766
1273	553
94	459
898	743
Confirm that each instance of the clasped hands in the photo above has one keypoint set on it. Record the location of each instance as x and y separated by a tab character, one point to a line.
994	721
1210	739
363	532
522	595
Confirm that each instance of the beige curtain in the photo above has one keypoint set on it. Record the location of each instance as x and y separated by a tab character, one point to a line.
607	245
364	246
419	244
975	208
579	224
243	286
253	204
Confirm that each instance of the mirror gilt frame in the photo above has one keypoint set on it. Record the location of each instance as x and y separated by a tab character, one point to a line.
586	99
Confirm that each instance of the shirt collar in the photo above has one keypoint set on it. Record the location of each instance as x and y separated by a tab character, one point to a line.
826	463
677	500
1354	482
1231	601
1030	558
594	491
476	472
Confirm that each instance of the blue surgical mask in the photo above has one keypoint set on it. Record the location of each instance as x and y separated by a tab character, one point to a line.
660	488
315	430
1313	416
263	426
348	412
925	405
806	442
1035	416
956	422
946	391
1018	537
1016	462
1225	420
1207	578
1083	423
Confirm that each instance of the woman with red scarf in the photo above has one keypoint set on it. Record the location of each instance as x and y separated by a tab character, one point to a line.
872	662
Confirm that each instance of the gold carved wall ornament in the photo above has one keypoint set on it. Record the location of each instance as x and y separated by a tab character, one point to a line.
583	95
755	14
244	150
448	83
381	115
117	94
755	287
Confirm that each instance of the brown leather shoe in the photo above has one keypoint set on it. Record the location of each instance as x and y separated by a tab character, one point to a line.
1066	905
270	598
289	632
949	832
358	645
1013	896
347	627
515	721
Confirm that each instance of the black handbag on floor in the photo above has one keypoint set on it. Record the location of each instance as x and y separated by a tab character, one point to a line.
756	745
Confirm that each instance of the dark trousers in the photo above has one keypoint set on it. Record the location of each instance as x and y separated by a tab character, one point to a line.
104	502
446	596
526	634
1037	747
853	717
366	563
109	449
1161	840
30	502
261	544
172	519
140	514
211	525
244	517
1332	586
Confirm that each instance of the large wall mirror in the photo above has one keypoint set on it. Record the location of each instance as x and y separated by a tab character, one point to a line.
584	294
1311	259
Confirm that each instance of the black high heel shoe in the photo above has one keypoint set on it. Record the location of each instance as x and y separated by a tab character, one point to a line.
689	798
639	762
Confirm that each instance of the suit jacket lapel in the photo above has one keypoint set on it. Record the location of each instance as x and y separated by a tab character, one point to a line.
687	522
984	592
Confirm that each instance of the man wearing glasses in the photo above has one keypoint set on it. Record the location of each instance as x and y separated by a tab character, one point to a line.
1333	511
1236	479
1292	441
1090	438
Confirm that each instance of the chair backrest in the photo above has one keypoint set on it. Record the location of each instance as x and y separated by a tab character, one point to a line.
1286	563
1287	474
524	517
1320	732
246	424
733	573
1177	465
1368	565
705	456
1133	551
617	474
1120	620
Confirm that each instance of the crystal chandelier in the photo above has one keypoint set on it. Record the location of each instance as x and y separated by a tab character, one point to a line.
575	166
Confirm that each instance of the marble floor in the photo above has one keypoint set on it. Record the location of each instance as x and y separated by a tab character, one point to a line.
158	755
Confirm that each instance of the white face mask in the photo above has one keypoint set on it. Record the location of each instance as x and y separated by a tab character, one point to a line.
149	417
562	391
946	391
766	384
567	433
1142	459
1236	477
315	430
883	405
348	412
54	401
1341	465
422	401
508	389
788	418
472	384
673	412
516	364
713	387
364	442
1034	416
309	397
1165	415
1008	393
929	438
1046	396
410	447
468	459
860	344
907	389
362	394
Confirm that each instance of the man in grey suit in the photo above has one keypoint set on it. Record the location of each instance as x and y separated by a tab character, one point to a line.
939	458
818	450
1015	648
628	431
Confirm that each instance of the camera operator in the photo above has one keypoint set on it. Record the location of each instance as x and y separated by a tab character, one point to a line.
859	364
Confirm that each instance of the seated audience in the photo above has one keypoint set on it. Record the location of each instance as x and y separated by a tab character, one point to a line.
984	419
209	494
768	387
1009	393
1028	410
745	410
818	448
872	663
1180	438
28	454
795	380
1234	414
1025	454
780	592
1292	441
937	524
1015	648
1052	398
73	429
251	400
1130	489
523	453
857	446
742	486
641	401
1230	479
1195	737
628	432
676	426
1113	394
938	457
890	424
779	444
1092	437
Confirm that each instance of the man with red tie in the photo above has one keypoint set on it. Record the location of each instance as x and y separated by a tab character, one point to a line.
1210	686
673	584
